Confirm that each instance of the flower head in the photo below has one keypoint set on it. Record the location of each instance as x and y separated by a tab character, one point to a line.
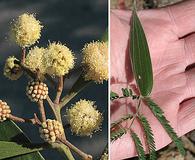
26	30
84	118
95	61
34	59
12	70
51	130
58	59
36	91
4	111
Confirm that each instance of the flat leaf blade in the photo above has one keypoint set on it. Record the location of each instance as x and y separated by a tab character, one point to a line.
140	57
12	149
9	131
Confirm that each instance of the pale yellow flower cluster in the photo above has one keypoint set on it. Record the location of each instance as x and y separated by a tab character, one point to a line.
84	119
95	61
11	69
58	59
51	130
26	30
34	59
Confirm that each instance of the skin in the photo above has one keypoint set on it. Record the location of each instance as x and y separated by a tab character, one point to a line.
169	32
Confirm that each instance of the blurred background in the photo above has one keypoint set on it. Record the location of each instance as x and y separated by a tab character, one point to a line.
169	152
74	23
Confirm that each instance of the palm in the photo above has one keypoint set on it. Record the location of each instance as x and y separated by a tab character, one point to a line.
172	84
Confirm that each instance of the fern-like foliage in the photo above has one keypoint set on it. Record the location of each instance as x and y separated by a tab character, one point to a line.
138	146
149	137
117	134
159	114
124	118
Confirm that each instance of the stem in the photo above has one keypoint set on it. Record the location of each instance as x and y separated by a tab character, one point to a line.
59	90
42	111
135	115
76	150
23	55
34	120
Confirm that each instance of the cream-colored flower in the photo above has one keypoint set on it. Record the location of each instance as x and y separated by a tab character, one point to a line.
34	59
58	59
51	130
26	30
95	61
12	70
84	118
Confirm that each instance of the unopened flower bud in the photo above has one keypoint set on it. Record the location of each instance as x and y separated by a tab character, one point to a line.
51	130
36	91
5	111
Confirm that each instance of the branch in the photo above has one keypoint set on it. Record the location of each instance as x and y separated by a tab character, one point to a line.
23	55
34	120
59	89
75	149
42	111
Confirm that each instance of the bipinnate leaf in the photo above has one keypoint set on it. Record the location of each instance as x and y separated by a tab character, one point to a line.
10	132
149	137
138	146
117	134
140	57
159	114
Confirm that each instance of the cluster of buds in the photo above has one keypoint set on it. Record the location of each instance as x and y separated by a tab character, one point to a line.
51	130
37	91
4	111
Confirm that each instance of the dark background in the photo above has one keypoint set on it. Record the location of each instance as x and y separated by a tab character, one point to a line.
74	23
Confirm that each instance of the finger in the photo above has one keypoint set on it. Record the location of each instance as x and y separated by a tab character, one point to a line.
189	49
120	70
190	87
186	117
182	16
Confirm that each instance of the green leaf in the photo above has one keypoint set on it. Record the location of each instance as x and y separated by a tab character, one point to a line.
12	149
159	114
117	134
105	36
77	87
124	118
127	92
10	132
140	57
149	137
113	95
138	146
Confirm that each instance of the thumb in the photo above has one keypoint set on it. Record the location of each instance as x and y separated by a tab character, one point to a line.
186	116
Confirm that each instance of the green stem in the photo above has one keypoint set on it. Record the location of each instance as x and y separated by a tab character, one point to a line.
64	150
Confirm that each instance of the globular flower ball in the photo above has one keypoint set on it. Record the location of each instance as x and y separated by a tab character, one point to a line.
26	30
84	119
12	70
36	91
95	61
51	130
34	59
5	111
58	59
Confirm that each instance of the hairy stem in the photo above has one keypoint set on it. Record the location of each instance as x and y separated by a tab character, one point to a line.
59	90
34	120
42	111
23	56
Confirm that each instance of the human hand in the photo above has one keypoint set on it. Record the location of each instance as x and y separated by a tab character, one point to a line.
169	32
